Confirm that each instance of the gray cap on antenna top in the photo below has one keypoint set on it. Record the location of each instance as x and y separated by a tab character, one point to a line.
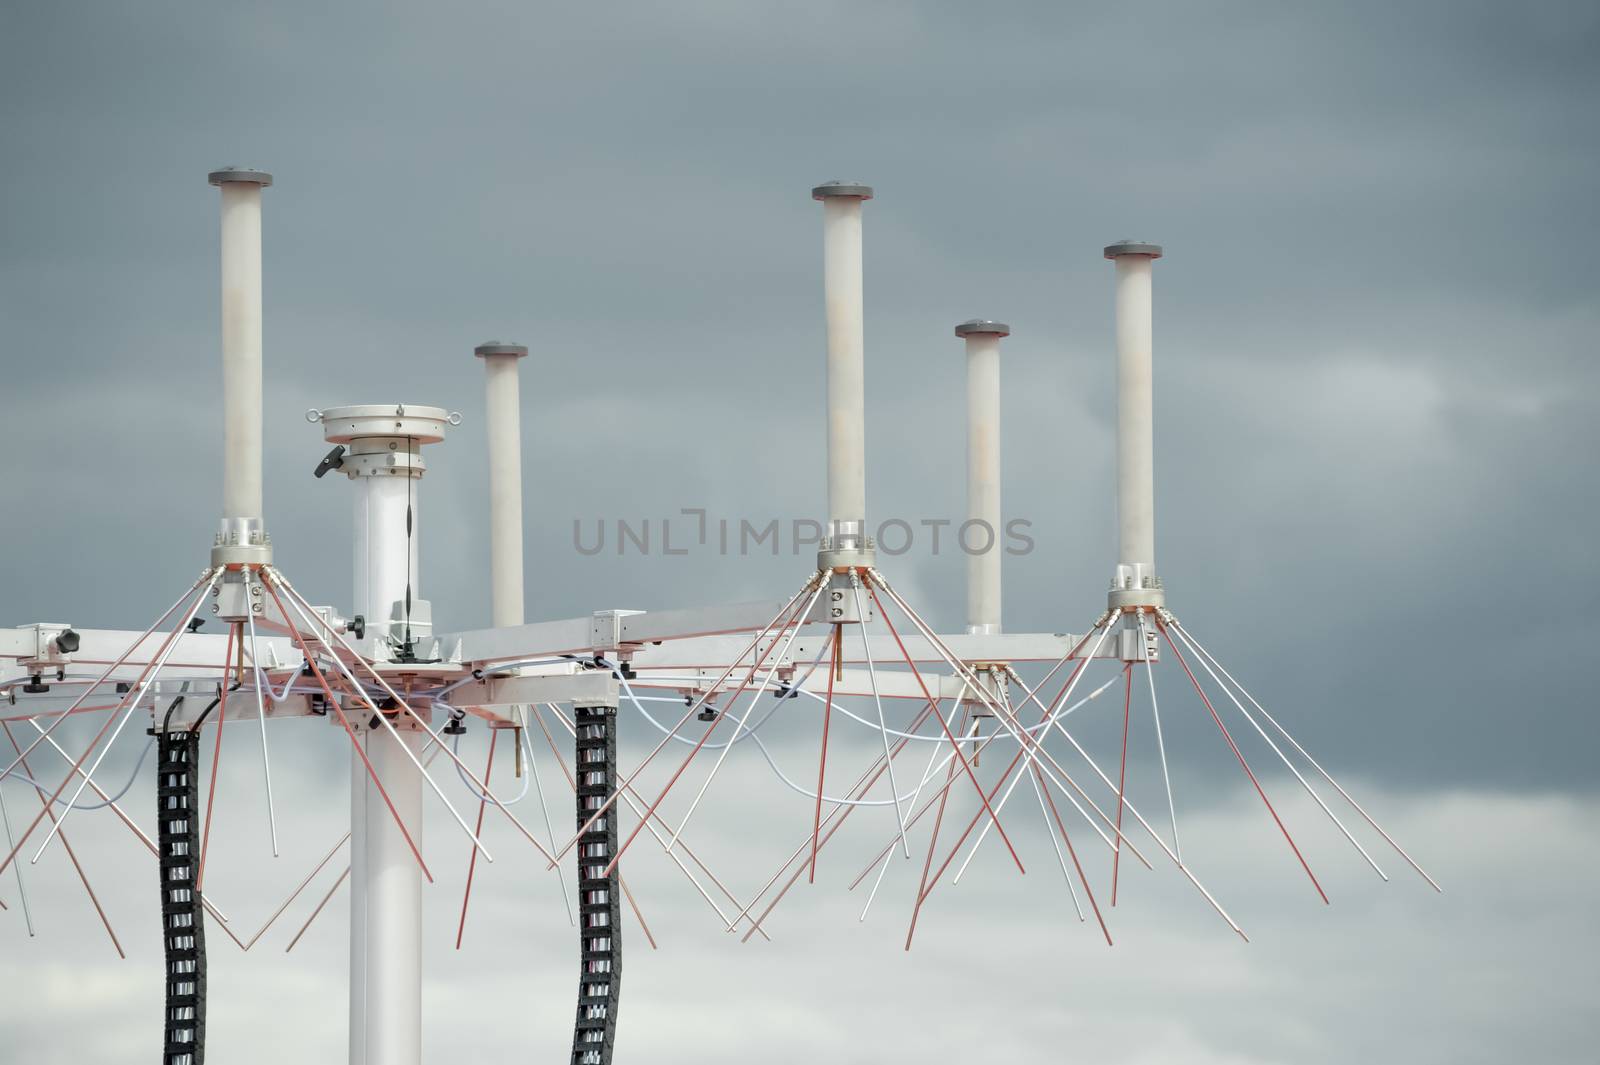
494	347
981	327
1133	247
242	175
842	189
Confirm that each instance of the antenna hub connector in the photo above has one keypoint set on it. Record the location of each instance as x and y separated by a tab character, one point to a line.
847	546
1136	585
242	542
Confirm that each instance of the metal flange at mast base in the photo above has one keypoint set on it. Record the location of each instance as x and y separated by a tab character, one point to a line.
1135	592
1136	585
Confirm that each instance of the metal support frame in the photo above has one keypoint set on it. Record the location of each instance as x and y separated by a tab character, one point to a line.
514	664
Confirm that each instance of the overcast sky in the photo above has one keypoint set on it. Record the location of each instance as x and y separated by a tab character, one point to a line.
1376	422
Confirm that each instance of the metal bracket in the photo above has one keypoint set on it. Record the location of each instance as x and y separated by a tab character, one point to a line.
47	646
590	688
838	605
238	596
606	630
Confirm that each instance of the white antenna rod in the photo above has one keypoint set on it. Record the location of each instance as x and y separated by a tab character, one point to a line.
1136	504
241	357
841	282
502	402
983	471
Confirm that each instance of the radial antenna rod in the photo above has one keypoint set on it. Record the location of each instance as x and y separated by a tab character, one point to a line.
1135	583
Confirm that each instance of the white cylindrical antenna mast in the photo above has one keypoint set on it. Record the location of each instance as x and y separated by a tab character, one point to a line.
241	358
983	474
502	402
383	457
841	282
1136	583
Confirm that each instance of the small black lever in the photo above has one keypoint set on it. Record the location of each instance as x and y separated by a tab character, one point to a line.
333	460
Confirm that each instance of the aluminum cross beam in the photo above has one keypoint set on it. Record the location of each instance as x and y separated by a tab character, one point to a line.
703	637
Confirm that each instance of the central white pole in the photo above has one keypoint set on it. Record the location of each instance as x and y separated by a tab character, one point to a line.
384	459
358	898
386	557
983	474
391	884
847	417
393	889
503	407
1136	502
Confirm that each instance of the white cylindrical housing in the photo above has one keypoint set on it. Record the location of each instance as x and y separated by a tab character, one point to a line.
241	340
1136	505
386	534
502	404
842	295
981	534
393	938
383	457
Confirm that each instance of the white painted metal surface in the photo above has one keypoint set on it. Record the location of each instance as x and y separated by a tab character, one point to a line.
393	886
359	821
1136	504
388	571
384	458
503	416
983	484
241	349
101	647
842	293
385	462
